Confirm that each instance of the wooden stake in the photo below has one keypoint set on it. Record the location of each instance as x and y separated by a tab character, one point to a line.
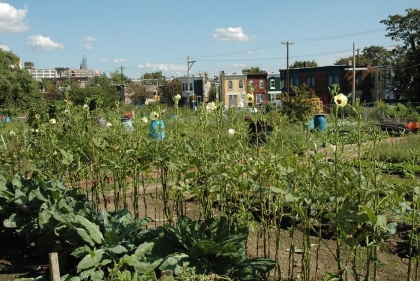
54	267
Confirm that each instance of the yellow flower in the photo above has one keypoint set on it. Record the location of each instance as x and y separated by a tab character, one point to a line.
52	121
154	115
108	124
66	111
211	106
177	97
340	100
12	133
144	120
249	98
85	106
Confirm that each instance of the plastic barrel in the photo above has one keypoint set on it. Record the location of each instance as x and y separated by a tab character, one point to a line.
7	119
127	124
320	122
157	130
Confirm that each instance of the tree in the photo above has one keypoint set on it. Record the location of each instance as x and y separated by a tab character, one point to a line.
300	64
140	92
251	70
170	89
118	78
406	64
361	60
153	75
377	55
17	87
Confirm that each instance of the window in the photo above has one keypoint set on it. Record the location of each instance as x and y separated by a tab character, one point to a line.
271	97
359	80
379	76
333	79
241	85
294	81
230	87
251	83
310	81
261	84
272	84
259	98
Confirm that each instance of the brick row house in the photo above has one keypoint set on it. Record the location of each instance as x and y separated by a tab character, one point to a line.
371	83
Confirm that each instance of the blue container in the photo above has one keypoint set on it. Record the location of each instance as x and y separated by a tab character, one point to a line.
7	119
127	124
320	122
310	125
157	130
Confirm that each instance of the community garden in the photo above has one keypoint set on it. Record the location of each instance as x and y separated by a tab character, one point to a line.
198	196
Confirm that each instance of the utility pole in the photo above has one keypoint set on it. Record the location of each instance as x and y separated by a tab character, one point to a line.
353	98
121	70
357	59
188	76
287	61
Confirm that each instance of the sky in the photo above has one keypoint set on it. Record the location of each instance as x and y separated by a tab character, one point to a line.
143	36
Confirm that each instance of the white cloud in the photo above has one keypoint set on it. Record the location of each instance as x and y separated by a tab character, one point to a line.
104	60
257	52
12	20
162	67
40	42
239	65
87	46
119	60
90	39
331	59
231	34
4	48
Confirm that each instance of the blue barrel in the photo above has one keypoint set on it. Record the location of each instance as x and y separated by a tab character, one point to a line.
157	130
7	119
320	122
310	125
127	124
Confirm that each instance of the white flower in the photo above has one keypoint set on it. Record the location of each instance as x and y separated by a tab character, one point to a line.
12	133
211	106
177	97
340	100
108	124
144	120
249	98
66	111
34	130
154	115
231	132
52	121
85	106
65	101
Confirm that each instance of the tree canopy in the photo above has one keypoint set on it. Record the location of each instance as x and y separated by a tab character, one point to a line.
300	64
17	87
251	70
406	64
170	89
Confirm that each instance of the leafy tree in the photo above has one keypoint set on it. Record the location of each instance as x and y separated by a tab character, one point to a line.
170	89
252	70
118	78
377	55
17	87
98	89
406	28
361	60
140	92
298	107
153	75
300	64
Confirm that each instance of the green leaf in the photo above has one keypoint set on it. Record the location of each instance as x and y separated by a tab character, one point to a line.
111	238
117	249
144	249
69	277
381	221
174	262
92	228
81	251
85	236
14	221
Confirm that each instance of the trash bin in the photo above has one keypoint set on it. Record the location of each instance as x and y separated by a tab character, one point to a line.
320	122
127	124
157	130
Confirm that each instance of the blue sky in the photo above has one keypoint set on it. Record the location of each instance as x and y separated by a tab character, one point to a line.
159	35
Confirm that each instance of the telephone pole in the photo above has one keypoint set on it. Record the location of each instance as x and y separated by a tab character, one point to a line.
121	70
287	61
188	76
